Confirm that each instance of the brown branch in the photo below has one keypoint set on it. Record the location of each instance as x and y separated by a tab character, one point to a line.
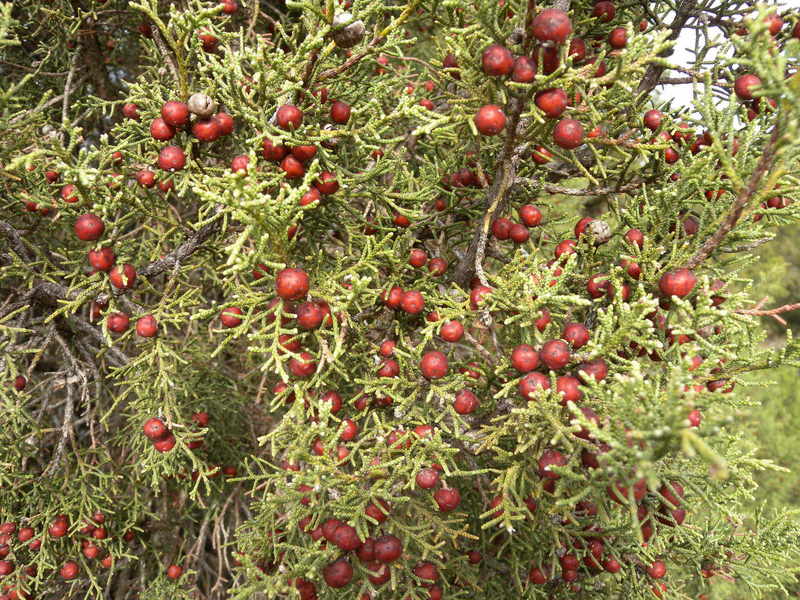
757	311
741	201
333	72
686	10
183	251
600	191
15	242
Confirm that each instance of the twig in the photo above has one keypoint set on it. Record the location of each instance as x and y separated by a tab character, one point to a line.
757	311
15	242
168	58
601	191
68	88
742	199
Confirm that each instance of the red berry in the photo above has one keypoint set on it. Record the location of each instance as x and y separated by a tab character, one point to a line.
388	548
171	158
635	237
174	571
327	183
551	102
657	570
161	130
433	365
102	259
477	295
340	112
576	334
524	70
497	61
524	358
652	119
130	111
541	155
412	302
551	25
618	38
293	168
289	117
604	11
568	134
530	215
537	576
744	86
567	388
551	458
345	537
501	228
448	499
304	153
612	565
122	276
532	383
117	322
175	113
417	258
239	163
437	266
20	382
679	282
206	130
490	119
518	233
291	284
303	366
309	315
89	227
229	316
225	122
466	402
273	152
555	354
451	331
146	326
427	478
146	178
69	570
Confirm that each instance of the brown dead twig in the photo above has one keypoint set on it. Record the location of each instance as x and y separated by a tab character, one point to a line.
758	311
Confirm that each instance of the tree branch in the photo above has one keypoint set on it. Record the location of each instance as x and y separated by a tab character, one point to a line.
742	199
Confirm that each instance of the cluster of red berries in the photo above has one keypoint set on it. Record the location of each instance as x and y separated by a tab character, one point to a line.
157	432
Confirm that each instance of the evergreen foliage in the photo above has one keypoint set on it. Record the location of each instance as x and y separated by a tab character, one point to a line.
209	408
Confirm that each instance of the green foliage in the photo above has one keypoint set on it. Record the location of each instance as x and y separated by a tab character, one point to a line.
262	456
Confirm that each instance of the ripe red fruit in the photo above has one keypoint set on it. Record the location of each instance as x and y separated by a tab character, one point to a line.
427	478
466	402
122	276
448	499
20	382
239	163
303	365
551	458
618	38
744	86
518	233
490	119
309	315
477	295
412	302
657	570
451	331
171	158
672	493
551	25
531	383
225	122
530	215
552	102
524	70
206	130
537	576
161	130
146	178
387	348
130	111
289	117
501	228
387	548
679	282
568	134
567	388
433	365
604	11
327	183
59	527
541	155
635	237
612	565
555	354
497	61
69	570
304	153
437	266
417	257
273	152
6	567
89	227
165	444
524	358
229	6
117	322
393	298
597	368
147	326
101	259
340	112
576	335
228	317
345	537
652	119
175	113
174	571
293	168
291	284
